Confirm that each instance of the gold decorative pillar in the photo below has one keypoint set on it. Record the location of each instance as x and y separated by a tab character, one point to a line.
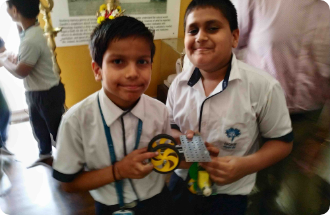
46	7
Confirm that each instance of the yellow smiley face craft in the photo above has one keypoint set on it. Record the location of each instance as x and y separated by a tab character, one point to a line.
110	10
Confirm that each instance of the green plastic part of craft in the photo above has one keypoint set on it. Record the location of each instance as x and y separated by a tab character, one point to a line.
193	171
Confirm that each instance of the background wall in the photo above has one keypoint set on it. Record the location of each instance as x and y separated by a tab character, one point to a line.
77	75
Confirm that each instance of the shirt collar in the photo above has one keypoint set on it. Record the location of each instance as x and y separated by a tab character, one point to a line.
235	73
192	74
23	33
112	112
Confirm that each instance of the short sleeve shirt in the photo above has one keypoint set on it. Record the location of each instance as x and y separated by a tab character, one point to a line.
82	143
234	116
34	51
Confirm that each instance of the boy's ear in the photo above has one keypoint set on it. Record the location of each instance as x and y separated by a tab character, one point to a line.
235	34
97	71
14	12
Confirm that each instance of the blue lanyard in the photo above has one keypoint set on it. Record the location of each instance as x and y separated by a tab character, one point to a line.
119	184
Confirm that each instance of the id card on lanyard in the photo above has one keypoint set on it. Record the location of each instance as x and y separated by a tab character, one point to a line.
123	212
119	184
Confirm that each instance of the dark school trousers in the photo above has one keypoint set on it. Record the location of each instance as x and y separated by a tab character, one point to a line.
4	120
160	204
46	109
187	203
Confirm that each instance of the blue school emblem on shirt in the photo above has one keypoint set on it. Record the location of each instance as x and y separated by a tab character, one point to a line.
232	133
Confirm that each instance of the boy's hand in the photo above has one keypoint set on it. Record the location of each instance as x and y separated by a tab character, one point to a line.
13	58
132	165
176	135
190	134
225	170
214	151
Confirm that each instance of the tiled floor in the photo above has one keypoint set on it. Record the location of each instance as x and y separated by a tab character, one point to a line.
34	191
22	143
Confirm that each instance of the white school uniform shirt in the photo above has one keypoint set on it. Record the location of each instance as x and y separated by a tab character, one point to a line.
82	142
233	119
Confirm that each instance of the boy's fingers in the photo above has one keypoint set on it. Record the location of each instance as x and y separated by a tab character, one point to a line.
140	151
214	151
218	180
190	134
206	166
216	163
146	155
213	171
147	168
143	170
14	59
207	144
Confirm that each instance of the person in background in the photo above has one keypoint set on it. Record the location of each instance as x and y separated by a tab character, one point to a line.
5	184
4	113
45	94
291	41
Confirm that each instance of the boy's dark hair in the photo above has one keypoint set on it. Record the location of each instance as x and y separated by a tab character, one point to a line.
119	28
226	7
27	8
2	43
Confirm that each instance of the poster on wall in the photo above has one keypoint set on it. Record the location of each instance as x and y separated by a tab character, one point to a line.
78	18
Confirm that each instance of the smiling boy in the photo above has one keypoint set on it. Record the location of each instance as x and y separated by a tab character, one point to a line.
231	105
108	132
